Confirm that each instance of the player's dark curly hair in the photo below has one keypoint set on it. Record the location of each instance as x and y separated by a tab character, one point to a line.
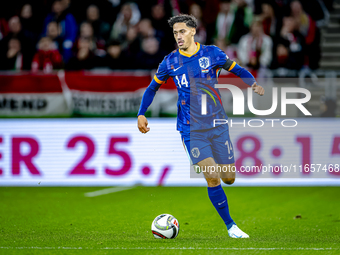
189	20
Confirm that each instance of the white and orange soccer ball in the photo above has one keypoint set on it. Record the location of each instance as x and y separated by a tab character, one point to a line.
165	226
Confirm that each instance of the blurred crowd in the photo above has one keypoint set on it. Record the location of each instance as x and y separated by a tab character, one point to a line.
117	34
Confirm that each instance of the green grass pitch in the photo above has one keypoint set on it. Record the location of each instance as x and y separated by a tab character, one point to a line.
46	220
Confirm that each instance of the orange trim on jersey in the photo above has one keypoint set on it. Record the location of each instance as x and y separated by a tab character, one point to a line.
188	55
158	80
232	66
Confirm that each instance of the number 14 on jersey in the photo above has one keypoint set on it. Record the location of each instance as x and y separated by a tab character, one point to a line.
184	81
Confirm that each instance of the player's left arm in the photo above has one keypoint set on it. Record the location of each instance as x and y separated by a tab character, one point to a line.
244	74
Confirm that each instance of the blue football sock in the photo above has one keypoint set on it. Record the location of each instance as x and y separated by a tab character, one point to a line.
219	200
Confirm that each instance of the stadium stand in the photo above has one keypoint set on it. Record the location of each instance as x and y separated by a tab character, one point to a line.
122	35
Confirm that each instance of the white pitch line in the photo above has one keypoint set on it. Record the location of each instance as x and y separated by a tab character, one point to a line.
167	248
106	191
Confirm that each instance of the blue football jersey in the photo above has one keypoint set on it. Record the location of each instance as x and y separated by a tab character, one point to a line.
195	77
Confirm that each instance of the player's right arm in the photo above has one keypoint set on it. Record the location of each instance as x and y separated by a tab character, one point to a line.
160	77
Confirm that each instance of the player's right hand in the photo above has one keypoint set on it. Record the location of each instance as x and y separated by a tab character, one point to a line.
143	124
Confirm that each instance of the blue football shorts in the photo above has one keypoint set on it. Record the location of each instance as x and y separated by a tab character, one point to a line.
214	143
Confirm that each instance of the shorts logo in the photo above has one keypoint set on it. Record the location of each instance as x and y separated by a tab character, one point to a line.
204	62
195	152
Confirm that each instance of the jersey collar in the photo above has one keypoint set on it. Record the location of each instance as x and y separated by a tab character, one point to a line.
188	55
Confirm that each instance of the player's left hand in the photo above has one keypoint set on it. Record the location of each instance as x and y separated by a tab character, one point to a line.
258	89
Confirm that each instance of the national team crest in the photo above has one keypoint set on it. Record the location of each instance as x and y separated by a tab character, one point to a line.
195	152
204	62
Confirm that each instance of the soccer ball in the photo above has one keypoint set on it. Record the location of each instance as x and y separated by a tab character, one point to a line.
165	226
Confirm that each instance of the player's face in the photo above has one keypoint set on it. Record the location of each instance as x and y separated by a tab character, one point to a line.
184	35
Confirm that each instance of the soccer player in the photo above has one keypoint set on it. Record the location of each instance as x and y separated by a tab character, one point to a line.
195	69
